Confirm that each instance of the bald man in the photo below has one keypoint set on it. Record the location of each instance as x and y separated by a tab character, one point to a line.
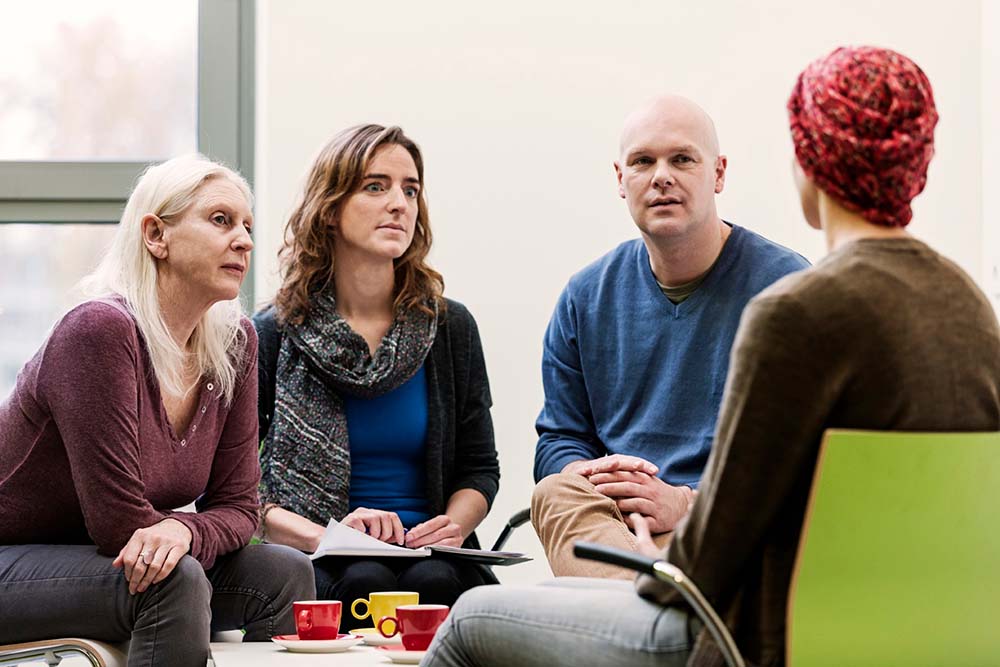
636	353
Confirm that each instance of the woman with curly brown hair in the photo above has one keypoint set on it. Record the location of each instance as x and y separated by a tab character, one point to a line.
374	400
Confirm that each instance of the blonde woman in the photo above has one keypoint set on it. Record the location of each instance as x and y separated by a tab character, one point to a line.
374	401
140	401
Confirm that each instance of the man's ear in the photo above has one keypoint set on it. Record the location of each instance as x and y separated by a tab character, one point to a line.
153	235
618	177
721	163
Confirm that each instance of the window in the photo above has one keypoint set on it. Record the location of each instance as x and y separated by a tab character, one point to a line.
90	81
92	93
40	266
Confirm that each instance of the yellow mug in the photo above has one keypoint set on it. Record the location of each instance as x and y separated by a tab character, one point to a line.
382	604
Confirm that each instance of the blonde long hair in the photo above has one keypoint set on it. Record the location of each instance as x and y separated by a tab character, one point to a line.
129	270
307	256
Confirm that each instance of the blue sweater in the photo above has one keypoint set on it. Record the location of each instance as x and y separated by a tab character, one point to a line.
388	437
626	371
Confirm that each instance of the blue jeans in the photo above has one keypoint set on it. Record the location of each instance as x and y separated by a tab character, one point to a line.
568	621
49	591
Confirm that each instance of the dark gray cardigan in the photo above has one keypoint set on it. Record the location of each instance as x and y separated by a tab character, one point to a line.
461	453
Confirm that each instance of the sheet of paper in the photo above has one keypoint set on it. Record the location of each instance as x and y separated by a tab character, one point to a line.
341	540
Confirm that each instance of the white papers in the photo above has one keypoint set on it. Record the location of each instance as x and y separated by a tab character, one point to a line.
341	540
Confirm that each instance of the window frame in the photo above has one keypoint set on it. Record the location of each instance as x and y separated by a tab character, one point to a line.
54	192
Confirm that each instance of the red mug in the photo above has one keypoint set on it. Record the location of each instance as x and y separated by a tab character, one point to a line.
417	623
317	619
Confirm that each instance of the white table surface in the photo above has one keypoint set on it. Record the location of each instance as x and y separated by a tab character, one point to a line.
251	654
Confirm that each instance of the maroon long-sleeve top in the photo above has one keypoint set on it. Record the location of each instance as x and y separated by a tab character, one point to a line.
87	454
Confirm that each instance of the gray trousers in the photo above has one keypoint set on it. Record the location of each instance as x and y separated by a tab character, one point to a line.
49	591
568	621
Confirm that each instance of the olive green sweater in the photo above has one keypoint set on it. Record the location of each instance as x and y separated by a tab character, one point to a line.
882	334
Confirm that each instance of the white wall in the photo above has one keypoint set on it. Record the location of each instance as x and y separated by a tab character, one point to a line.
518	105
991	150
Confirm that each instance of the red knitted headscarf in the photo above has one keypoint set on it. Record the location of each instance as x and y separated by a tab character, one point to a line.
862	122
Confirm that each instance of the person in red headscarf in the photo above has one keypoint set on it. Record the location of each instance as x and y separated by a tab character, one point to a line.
884	333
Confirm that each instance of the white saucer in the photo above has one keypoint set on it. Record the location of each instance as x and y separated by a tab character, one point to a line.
400	655
296	645
374	638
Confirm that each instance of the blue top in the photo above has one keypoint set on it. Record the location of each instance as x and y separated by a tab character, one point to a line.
388	438
625	371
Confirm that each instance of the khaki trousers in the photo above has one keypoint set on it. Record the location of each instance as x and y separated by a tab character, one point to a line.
566	508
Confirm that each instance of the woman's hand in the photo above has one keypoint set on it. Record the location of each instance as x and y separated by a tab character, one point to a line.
643	538
151	554
379	524
441	530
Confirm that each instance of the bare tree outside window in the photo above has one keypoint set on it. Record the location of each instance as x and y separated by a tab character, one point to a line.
98	80
40	267
83	81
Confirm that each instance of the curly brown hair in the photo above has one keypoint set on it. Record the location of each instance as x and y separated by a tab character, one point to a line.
307	255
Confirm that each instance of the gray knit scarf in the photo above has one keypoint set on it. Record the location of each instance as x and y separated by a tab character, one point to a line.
306	457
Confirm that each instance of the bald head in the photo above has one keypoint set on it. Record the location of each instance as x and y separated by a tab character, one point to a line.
669	171
670	114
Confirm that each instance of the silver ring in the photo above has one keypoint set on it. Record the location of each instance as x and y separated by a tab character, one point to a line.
143	556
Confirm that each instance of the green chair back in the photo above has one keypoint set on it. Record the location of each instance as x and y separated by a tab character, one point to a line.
899	561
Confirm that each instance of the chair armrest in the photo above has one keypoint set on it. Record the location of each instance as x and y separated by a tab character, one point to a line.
518	519
52	652
672	575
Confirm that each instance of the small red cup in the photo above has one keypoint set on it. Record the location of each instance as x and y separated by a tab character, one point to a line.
417	623
317	619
